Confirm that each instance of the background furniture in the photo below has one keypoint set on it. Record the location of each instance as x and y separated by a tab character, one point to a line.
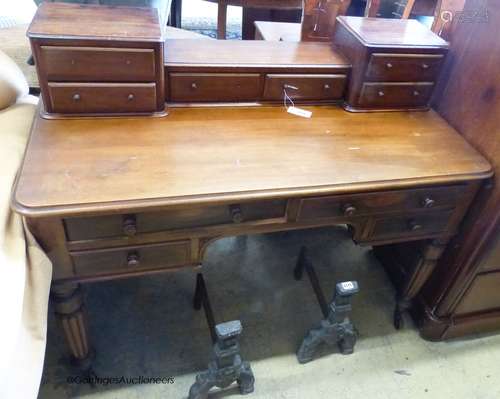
277	31
463	297
317	24
282	6
389	8
319	18
26	271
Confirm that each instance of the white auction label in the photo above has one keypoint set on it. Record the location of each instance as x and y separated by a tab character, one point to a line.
299	112
348	285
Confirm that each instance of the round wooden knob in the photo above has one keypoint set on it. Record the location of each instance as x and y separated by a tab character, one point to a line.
388	65
381	93
129	225
416	93
133	259
236	213
348	210
428	202
414	226
130	97
326	86
194	86
76	97
425	66
128	62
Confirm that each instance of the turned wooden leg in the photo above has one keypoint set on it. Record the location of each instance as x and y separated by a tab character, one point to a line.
70	311
418	268
418	277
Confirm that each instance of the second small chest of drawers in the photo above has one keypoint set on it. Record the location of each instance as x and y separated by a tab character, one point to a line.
395	63
98	60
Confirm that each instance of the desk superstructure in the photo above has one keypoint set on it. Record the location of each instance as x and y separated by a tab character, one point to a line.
120	197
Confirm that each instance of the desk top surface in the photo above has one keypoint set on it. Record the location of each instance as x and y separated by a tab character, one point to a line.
201	155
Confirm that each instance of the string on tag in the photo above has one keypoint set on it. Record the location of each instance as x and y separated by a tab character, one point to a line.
292	109
286	97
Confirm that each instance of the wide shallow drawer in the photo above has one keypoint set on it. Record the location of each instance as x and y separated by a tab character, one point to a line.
94	64
79	98
408	226
84	228
304	87
386	95
404	67
131	258
482	295
380	203
214	86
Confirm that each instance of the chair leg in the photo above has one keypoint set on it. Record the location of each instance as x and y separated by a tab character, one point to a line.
221	19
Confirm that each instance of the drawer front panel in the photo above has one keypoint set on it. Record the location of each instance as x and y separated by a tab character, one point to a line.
93	64
86	228
409	226
404	67
102	97
304	87
214	86
130	259
482	295
386	95
378	203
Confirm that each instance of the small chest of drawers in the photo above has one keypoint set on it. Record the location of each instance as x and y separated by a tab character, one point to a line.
395	63
97	60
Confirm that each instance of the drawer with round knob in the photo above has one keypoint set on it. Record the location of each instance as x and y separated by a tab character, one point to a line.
134	224
200	87
417	225
94	64
88	98
131	258
395	95
350	206
404	67
304	87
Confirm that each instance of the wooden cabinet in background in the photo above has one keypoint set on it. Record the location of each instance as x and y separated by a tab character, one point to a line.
462	296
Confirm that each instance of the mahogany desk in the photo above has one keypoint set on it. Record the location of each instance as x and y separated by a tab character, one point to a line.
112	198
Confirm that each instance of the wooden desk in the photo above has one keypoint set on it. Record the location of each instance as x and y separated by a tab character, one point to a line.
114	198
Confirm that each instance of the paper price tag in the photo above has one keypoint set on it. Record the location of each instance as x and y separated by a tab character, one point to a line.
299	112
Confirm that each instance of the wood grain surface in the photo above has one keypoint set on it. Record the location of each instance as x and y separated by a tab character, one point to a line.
200	155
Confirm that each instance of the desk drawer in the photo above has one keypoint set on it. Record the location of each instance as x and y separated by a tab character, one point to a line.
308	87
94	64
409	226
388	94
87	228
77	98
379	203
132	258
214	86
404	67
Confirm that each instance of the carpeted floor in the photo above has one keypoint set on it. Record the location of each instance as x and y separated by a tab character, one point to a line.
147	327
